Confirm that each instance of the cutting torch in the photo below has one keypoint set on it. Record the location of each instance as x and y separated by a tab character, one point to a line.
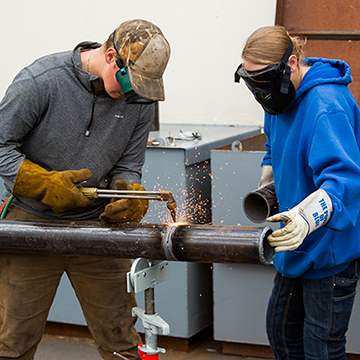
162	195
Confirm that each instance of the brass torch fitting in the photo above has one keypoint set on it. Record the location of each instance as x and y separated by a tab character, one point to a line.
89	192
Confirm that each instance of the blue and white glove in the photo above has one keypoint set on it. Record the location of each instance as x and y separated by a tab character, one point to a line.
300	221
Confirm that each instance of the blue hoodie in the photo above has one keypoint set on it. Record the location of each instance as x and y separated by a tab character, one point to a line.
316	145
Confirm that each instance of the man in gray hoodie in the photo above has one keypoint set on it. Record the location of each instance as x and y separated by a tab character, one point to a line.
69	118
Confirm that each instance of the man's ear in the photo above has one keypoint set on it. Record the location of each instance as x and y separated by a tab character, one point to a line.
110	55
293	62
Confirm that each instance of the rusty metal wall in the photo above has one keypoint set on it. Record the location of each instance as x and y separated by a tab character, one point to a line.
332	29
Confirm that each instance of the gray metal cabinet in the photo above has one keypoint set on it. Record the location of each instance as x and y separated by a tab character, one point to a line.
241	291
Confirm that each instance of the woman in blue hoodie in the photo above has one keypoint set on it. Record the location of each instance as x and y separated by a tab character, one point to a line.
312	124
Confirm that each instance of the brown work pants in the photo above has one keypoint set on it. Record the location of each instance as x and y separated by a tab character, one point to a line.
28	285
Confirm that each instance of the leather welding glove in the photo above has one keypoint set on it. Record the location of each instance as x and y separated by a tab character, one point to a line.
125	210
266	177
56	189
312	213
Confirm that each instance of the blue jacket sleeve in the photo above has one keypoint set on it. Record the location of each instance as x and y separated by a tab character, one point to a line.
334	156
267	156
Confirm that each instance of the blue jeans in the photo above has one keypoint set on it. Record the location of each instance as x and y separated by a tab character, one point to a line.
308	318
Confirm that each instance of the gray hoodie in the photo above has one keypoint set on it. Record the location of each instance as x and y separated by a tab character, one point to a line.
52	115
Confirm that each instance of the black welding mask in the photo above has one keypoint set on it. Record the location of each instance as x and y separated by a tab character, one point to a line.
271	86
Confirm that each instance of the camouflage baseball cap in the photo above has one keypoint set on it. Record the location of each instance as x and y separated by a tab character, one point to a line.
145	52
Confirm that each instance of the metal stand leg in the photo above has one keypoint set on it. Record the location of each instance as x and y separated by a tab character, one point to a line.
144	275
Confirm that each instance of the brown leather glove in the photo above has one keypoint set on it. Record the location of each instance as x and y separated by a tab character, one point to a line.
56	189
125	210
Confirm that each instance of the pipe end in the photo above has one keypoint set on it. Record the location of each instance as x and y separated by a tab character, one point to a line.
266	251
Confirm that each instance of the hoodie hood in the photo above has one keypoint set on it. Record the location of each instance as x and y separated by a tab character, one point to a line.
323	71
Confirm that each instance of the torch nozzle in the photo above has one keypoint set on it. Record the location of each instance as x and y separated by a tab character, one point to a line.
170	202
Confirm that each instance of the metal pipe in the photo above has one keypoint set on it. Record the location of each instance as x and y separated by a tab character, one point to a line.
150	335
149	301
176	242
259	204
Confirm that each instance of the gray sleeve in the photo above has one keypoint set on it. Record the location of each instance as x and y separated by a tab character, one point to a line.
19	113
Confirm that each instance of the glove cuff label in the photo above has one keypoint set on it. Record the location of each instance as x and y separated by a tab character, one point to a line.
321	218
316	209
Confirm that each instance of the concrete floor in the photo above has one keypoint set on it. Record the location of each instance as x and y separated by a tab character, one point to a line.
55	347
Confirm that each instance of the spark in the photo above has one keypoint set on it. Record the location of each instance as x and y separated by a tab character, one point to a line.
192	195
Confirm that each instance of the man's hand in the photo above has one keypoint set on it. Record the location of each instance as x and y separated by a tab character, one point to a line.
56	189
125	210
312	213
